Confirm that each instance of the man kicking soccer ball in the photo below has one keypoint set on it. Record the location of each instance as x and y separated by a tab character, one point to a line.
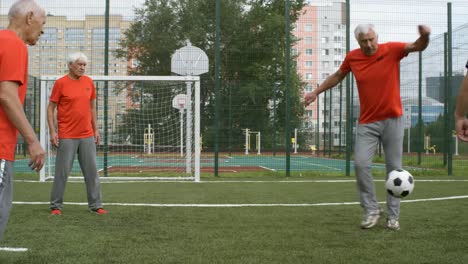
377	71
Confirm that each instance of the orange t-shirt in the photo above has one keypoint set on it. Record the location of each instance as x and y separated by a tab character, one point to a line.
73	99
378	81
14	68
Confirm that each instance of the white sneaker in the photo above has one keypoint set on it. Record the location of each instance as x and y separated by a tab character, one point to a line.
370	220
393	224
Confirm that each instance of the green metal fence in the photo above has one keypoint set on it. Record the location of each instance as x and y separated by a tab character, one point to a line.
258	73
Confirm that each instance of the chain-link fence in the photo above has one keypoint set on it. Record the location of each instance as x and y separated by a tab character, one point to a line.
253	118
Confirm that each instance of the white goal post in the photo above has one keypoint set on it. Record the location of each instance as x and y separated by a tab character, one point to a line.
154	108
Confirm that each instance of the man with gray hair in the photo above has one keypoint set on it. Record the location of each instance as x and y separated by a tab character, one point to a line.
376	68
26	21
74	97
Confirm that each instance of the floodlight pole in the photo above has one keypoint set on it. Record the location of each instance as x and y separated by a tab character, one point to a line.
449	90
349	115
217	83
106	90
287	129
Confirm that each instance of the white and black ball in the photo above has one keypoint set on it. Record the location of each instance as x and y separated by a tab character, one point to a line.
400	183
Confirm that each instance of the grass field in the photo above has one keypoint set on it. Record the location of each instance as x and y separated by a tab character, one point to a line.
277	220
263	220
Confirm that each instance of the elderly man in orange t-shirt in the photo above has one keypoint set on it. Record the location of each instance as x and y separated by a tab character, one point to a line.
26	21
376	68
74	97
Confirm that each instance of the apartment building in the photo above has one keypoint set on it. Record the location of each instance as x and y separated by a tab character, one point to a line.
320	33
63	36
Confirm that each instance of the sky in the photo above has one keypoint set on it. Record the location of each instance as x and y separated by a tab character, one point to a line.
394	19
76	9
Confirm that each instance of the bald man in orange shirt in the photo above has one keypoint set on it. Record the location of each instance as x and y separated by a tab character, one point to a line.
376	68
26	21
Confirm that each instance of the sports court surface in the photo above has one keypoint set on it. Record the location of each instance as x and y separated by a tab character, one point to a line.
235	163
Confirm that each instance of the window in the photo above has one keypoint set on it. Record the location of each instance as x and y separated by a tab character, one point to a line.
309	64
49	36
309	51
74	35
308	113
308	40
308	76
325	52
308	88
308	27
338	51
325	64
337	63
326	28
325	40
99	34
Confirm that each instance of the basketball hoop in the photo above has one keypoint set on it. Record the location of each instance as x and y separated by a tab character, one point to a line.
179	101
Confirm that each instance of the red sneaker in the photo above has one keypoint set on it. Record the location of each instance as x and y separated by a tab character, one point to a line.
56	212
101	211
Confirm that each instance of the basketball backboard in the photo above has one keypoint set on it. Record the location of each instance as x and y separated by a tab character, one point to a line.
189	60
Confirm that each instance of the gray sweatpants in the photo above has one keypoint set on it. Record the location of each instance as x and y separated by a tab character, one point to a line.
86	149
390	133
6	193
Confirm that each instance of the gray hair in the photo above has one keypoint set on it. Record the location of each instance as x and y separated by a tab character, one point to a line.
75	56
364	29
23	7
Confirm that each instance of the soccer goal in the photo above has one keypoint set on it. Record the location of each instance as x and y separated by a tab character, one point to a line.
144	135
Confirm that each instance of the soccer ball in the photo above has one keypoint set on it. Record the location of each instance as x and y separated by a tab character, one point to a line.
400	183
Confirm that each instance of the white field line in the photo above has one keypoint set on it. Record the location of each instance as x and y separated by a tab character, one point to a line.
248	205
266	168
190	180
13	249
313	164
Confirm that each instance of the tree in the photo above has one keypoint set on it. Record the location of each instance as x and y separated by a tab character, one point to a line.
252	58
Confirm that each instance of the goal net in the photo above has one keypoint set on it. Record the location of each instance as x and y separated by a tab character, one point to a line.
149	127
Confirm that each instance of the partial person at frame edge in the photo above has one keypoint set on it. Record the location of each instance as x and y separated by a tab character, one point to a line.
26	22
461	110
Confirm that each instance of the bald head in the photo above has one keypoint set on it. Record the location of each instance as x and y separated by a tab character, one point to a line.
27	19
22	7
